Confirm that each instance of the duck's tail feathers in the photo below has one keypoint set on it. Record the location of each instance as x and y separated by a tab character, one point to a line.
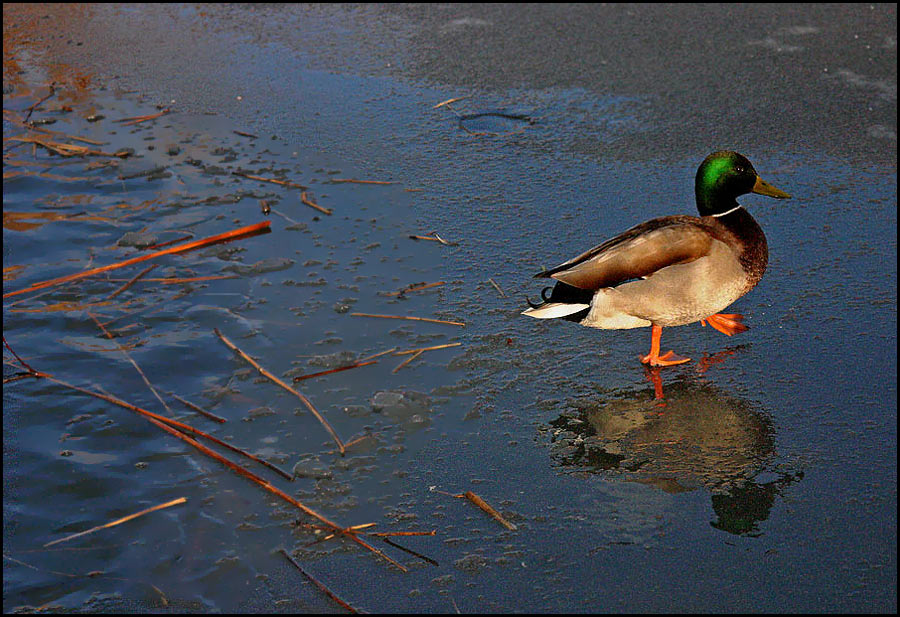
552	310
563	301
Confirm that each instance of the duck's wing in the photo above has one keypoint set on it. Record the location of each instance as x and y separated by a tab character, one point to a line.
636	253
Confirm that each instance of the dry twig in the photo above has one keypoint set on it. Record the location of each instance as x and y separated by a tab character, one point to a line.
421	349
408	360
130	359
270	180
410	551
415	287
139	119
434	237
35	105
249	230
315	582
333	370
279	382
444	321
167	243
305	198
61	148
119	521
379	354
481	503
354	181
448	101
131	282
199	409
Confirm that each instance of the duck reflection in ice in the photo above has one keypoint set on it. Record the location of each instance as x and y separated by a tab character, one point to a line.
685	435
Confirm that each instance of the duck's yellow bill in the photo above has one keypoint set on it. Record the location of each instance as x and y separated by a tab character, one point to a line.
764	188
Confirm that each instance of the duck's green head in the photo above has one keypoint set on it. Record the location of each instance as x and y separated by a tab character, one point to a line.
725	175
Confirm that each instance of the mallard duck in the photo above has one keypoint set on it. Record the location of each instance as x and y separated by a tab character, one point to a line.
672	270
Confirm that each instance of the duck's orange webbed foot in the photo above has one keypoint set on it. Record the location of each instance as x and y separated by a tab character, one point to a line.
726	323
667	359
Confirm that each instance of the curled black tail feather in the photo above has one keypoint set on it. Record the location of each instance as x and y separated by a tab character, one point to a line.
543	297
565	294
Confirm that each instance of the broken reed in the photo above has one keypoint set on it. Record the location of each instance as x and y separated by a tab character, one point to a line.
481	503
410	317
414	353
249	230
307	200
415	287
434	237
283	385
333	370
317	583
119	521
131	360
139	119
269	180
354	181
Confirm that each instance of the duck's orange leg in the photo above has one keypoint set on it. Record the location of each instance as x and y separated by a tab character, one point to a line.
726	323
667	359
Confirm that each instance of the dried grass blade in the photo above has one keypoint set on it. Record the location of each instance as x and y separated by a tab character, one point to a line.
333	370
139	119
162	244
434	237
131	282
279	382
270	180
38	103
124	519
420	349
130	359
415	287
379	354
497	287
448	101
384	534
61	148
189	279
407	361
481	503
353	442
198	409
444	321
304	197
315	582
249	230
411	552
354	181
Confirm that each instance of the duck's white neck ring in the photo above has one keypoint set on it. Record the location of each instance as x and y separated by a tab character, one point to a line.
737	207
